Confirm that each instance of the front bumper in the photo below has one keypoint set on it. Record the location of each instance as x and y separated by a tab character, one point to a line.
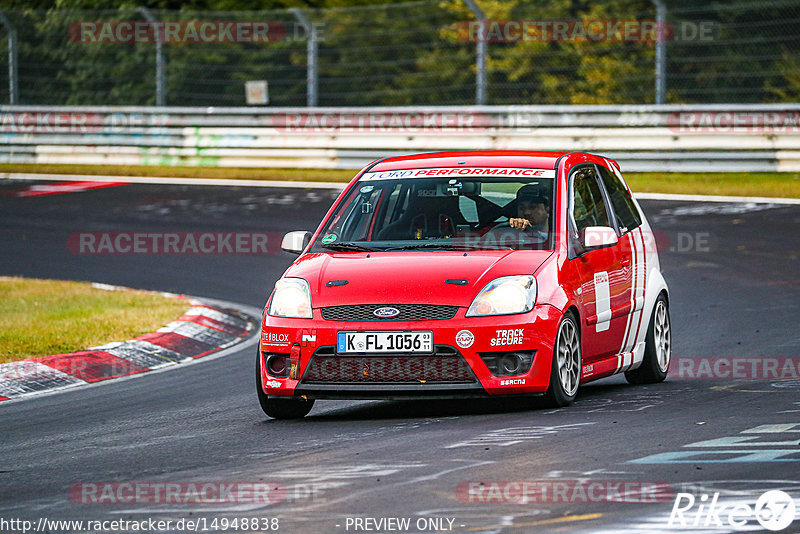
459	370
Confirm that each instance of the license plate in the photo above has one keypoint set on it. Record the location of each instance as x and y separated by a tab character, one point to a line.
384	342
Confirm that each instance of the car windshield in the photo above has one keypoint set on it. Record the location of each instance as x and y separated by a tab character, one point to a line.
445	209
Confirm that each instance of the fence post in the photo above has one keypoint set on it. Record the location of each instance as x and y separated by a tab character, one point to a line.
13	83
661	51
480	60
161	96
311	54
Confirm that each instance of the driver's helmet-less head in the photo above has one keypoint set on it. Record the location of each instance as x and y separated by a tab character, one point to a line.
533	194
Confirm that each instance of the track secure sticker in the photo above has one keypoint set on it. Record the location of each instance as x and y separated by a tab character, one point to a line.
330	238
465	339
508	337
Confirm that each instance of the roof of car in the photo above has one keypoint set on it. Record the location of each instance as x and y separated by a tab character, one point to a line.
474	158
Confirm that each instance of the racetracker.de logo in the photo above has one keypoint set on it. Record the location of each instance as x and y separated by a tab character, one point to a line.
596	30
177	493
563	491
51	122
188	31
734	121
174	243
464	121
736	368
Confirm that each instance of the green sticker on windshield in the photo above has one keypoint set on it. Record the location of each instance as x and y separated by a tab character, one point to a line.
330	238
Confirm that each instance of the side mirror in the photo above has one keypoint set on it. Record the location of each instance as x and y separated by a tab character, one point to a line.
295	242
598	237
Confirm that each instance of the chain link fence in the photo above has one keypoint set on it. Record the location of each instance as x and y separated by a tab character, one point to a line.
417	53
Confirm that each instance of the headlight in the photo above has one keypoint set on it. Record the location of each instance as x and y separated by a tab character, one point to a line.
292	298
504	296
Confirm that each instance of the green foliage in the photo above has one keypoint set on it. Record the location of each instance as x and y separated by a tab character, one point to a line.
415	53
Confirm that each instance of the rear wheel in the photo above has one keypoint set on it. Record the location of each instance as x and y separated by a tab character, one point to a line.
565	372
290	408
658	347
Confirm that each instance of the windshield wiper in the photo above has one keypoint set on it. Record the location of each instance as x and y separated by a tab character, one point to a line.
476	246
419	246
347	246
453	246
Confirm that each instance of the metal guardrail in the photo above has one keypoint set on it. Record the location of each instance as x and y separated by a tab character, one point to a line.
712	138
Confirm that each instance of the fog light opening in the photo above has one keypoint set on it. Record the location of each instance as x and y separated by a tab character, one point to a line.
277	364
508	363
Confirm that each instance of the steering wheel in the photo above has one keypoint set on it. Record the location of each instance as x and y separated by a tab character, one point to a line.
524	233
501	224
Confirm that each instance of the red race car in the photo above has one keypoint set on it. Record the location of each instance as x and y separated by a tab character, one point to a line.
467	274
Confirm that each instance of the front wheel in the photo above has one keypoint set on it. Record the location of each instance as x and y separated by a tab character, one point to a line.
280	408
565	373
657	348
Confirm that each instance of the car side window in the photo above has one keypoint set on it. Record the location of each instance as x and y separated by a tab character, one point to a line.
588	206
628	216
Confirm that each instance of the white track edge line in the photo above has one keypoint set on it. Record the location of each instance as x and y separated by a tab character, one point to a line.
232	182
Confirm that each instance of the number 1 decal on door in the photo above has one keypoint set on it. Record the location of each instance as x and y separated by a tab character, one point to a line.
602	294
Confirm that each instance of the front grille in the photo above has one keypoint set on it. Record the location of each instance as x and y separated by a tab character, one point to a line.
408	312
445	366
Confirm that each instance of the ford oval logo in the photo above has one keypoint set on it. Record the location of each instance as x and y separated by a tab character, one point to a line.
386	312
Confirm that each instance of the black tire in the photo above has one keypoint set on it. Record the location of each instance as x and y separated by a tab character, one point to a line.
565	372
657	348
280	408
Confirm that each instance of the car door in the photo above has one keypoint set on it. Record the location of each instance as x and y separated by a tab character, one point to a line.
631	248
602	272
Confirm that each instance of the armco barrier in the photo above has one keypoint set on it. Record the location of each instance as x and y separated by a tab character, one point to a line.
711	138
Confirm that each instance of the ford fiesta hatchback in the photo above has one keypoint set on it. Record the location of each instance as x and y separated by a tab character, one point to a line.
467	274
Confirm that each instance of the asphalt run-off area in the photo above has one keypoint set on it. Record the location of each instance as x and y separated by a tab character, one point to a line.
714	448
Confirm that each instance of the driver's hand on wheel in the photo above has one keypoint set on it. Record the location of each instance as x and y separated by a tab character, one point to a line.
519	223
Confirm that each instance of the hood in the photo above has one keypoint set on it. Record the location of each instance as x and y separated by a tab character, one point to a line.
408	277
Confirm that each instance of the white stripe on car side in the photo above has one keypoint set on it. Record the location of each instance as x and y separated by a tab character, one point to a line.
642	289
626	337
627	356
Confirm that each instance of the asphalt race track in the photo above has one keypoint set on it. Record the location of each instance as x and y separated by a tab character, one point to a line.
710	443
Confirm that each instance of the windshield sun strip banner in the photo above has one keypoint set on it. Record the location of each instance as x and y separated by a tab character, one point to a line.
460	171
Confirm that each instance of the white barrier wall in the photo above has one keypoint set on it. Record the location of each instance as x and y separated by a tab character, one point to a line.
715	138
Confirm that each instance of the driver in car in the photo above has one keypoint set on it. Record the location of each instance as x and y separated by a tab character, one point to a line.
533	211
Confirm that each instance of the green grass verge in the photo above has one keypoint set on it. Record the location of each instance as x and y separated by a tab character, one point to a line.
44	317
752	184
775	184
